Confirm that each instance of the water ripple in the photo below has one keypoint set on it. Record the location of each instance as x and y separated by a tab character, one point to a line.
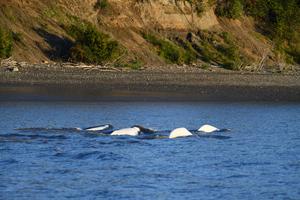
8	161
16	136
97	155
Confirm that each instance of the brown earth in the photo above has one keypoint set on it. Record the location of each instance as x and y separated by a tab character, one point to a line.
40	24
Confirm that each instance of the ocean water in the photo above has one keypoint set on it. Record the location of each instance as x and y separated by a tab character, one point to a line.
258	159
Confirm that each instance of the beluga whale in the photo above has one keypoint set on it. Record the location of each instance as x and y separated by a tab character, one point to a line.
180	132
98	128
132	131
210	129
183	132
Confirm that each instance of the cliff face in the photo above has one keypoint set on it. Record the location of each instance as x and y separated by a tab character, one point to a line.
40	26
161	14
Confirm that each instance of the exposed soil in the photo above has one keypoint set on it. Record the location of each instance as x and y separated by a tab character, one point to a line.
39	24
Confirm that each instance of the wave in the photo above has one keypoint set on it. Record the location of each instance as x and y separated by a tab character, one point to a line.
16	136
47	129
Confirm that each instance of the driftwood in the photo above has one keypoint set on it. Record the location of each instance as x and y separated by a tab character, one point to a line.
262	61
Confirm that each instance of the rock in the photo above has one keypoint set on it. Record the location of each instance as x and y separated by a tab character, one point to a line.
13	69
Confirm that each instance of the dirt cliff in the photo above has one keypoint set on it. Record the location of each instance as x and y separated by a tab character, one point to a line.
39	25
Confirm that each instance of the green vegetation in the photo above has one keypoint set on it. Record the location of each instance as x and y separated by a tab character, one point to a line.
134	64
101	4
17	37
166	49
6	42
280	20
211	47
229	8
198	5
170	51
205	66
218	49
131	63
91	45
277	19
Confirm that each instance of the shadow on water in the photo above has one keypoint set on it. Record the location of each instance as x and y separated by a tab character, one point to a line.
59	46
219	137
103	156
52	130
32	136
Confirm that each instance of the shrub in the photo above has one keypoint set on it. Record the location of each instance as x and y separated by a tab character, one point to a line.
17	37
91	46
5	43
205	66
166	49
230	52
229	8
134	64
170	51
101	4
199	6
218	49
280	20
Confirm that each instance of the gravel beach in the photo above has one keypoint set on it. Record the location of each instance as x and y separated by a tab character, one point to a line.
44	82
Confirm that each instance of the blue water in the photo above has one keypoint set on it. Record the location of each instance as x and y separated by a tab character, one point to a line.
258	159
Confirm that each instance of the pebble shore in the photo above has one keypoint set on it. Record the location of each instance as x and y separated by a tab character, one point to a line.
68	81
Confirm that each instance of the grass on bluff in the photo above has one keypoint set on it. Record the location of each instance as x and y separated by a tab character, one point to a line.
134	64
210	47
101	4
198	6
6	43
219	49
170	51
277	19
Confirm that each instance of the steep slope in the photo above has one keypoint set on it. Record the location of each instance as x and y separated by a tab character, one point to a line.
148	31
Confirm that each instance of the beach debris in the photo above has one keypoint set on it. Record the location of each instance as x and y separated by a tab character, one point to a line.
13	69
10	65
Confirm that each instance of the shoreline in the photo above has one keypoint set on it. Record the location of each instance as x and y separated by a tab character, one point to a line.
72	84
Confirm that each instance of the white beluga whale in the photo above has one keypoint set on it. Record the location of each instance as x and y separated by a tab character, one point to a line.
208	129
180	132
211	129
133	131
99	128
103	127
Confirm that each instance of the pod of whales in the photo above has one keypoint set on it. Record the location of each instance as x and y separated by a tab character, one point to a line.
203	131
183	132
137	130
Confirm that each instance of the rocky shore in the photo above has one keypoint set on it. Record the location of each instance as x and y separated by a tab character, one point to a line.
67	81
